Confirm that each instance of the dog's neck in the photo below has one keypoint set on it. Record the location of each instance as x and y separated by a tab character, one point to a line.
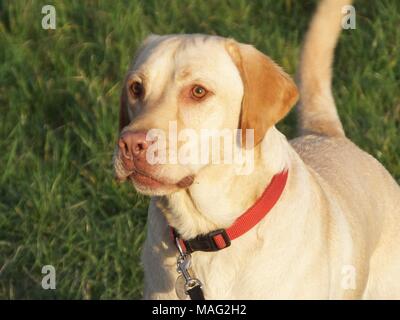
219	195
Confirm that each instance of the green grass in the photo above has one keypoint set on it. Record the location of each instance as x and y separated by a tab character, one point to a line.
59	92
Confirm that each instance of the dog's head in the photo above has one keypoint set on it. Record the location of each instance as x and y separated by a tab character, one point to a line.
181	85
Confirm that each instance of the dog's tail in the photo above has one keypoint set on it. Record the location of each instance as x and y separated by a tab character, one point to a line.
316	109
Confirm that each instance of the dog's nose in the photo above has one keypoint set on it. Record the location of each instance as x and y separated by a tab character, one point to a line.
132	144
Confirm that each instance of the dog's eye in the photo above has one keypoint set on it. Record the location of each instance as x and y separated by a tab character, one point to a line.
137	89
198	92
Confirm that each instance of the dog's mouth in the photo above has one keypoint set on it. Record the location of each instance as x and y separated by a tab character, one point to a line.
146	180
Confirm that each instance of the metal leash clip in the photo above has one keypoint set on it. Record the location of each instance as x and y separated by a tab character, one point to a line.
185	281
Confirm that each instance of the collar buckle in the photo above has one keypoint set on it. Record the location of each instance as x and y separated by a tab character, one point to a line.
212	241
215	238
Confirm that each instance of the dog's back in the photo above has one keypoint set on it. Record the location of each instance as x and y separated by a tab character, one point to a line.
369	196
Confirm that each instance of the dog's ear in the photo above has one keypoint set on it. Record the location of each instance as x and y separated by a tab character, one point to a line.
269	93
123	109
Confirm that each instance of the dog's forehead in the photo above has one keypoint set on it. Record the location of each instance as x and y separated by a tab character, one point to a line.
184	54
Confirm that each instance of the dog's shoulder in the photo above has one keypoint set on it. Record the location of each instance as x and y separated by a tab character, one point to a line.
330	152
346	168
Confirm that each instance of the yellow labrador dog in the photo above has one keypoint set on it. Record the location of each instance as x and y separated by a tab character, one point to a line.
314	218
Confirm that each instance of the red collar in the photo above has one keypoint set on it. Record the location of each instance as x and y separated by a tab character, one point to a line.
220	239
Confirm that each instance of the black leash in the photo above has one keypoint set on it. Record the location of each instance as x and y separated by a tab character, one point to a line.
196	293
